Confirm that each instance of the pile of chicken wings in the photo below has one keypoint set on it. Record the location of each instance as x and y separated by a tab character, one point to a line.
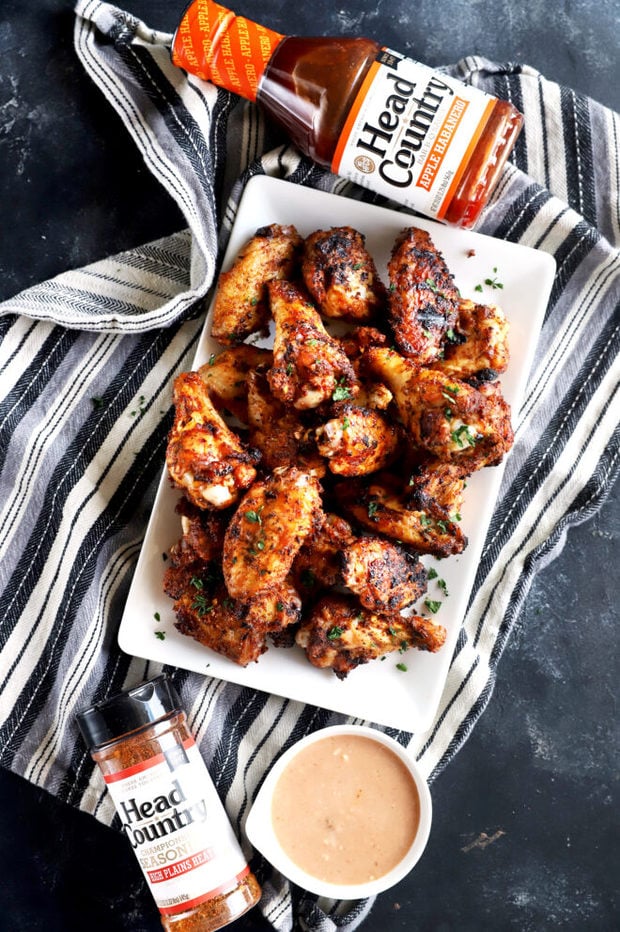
315	473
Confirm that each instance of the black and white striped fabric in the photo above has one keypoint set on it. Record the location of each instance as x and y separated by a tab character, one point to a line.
87	363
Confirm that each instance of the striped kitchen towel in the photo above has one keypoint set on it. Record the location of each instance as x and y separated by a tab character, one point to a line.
87	363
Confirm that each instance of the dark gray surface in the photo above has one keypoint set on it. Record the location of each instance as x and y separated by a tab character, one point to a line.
526	815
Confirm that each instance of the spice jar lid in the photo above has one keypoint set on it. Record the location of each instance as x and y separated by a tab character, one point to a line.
129	710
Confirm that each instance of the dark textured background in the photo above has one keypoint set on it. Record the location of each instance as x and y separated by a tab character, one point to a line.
525	833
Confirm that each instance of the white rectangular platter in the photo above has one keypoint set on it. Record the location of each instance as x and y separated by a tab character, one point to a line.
379	692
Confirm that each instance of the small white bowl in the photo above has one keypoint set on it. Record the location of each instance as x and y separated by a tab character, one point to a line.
261	834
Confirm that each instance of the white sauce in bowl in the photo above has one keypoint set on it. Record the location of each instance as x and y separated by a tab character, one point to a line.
346	809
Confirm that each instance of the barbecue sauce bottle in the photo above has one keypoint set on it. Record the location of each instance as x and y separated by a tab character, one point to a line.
367	113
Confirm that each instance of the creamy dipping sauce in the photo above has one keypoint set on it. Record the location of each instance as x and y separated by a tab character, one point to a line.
346	809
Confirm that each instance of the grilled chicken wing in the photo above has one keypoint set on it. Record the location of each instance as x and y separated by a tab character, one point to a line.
442	482
267	530
423	297
357	441
201	544
241	306
340	636
309	366
277	431
383	576
478	347
226	374
204	457
380	505
446	417
341	275
318	564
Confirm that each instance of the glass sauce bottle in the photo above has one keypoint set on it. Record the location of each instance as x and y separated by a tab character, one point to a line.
369	114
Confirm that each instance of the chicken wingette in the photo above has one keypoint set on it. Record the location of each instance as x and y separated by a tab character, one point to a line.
277	431
340	635
226	375
241	305
341	276
357	441
383	576
381	505
423	297
446	417
309	366
205	458
478	346
268	528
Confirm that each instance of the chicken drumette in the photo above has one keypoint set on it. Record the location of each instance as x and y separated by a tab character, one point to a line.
309	366
241	305
205	458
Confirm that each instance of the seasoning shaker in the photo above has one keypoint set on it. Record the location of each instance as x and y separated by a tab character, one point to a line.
169	808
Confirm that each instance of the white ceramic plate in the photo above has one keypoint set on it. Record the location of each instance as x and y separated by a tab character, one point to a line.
378	692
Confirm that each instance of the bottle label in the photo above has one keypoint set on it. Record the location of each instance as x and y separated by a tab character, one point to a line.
411	132
231	51
177	826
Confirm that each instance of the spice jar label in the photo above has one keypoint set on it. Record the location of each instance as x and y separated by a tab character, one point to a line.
411	133
178	828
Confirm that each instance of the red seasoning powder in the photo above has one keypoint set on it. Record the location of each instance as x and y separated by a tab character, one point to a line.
169	808
362	809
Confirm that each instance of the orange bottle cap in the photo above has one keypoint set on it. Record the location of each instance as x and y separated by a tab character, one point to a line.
216	45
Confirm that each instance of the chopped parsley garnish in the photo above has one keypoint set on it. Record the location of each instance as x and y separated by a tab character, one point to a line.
157	616
255	516
432	605
346	423
491	282
212	359
335	633
461	434
196	582
341	391
372	509
443	586
402	667
425	521
432	573
200	604
161	635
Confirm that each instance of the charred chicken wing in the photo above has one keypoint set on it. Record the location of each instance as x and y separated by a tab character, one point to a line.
357	441
478	347
341	275
309	366
380	505
241	305
277	431
267	530
204	457
423	297
340	636
446	417
383	576
226	375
